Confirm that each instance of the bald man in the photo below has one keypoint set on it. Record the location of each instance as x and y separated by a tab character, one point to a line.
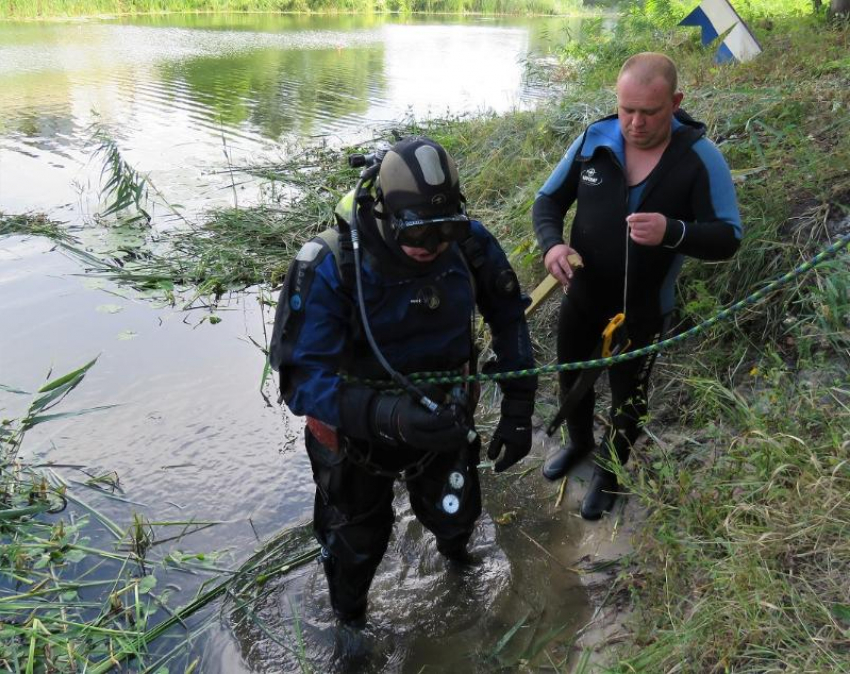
649	189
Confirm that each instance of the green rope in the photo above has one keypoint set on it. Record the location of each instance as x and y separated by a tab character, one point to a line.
723	314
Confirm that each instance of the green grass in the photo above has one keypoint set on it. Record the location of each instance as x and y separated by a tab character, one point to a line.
747	563
27	9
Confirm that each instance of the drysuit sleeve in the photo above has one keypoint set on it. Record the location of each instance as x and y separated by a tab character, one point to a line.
309	334
554	200
502	305
715	233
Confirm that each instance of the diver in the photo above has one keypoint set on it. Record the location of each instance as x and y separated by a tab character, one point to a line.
389	292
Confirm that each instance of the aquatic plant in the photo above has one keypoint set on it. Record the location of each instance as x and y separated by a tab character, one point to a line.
67	605
35	224
70	605
124	187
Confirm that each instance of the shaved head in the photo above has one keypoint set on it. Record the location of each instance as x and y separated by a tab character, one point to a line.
647	99
647	66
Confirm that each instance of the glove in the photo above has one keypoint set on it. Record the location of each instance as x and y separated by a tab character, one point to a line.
513	433
399	418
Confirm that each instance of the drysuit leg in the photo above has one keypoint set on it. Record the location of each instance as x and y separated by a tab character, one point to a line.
352	520
446	498
578	335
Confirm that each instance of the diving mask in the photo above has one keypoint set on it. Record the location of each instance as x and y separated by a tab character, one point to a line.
428	233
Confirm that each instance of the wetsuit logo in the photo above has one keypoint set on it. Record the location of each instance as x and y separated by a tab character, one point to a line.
590	177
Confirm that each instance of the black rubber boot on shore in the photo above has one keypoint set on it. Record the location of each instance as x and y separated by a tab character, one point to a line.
565	458
600	495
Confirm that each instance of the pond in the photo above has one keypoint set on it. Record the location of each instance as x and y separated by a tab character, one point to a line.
194	435
184	96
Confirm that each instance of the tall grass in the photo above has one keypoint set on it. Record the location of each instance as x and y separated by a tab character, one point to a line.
70	605
747	563
17	9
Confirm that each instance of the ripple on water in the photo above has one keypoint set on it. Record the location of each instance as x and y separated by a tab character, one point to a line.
421	609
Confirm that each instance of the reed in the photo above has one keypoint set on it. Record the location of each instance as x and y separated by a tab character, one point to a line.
27	9
70	606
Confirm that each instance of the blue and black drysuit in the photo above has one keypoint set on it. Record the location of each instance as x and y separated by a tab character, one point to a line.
692	186
421	316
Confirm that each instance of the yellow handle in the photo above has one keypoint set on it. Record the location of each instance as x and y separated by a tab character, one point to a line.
608	333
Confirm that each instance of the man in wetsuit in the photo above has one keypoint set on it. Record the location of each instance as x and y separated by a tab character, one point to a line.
649	189
425	267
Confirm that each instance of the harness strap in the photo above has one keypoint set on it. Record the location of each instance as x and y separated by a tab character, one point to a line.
473	253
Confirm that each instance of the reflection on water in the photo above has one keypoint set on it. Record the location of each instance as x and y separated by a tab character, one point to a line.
276	91
177	93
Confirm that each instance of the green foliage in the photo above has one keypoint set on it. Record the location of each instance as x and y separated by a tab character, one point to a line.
41	8
749	548
124	187
31	225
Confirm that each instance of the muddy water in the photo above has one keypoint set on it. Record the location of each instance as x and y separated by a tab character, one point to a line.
192	436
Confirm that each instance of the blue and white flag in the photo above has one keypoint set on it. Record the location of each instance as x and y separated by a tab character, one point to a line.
715	17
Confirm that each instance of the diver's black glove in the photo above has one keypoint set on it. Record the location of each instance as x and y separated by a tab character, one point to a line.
513	434
399	418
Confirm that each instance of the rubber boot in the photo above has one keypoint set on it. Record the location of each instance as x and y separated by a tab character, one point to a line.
565	458
604	486
600	495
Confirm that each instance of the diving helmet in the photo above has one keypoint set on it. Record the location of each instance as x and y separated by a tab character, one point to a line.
420	194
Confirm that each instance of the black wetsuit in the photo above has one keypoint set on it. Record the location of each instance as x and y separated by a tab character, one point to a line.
692	187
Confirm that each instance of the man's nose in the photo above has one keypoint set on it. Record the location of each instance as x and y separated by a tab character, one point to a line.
638	119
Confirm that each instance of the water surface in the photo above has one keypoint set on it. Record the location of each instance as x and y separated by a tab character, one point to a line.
185	96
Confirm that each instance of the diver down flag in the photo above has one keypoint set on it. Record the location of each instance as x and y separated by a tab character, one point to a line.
715	17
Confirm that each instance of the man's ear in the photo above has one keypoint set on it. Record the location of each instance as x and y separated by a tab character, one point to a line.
677	100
